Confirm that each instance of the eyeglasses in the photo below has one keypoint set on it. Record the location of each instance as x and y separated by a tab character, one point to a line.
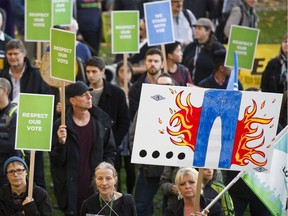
18	171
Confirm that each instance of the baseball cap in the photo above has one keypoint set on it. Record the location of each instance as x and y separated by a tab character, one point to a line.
77	89
13	159
205	22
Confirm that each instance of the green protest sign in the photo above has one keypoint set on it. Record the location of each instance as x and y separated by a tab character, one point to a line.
125	31
62	12
62	58
243	41
34	122
37	20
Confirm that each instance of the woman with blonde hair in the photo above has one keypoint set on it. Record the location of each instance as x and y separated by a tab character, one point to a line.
186	181
107	201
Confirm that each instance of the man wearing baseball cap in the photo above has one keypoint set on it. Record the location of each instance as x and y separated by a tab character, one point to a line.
14	198
78	147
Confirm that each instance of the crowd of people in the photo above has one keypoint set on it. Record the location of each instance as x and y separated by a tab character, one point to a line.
88	151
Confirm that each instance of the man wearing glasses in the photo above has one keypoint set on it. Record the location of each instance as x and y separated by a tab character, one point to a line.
14	198
7	126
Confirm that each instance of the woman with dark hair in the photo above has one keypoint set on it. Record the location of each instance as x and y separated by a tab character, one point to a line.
274	77
198	56
124	147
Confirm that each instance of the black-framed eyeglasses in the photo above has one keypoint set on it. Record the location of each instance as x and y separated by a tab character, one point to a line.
18	171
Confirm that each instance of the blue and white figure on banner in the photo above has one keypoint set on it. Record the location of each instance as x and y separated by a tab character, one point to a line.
159	23
233	79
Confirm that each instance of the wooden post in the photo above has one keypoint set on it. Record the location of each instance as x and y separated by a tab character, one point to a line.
31	174
164	58
62	100
125	65
198	190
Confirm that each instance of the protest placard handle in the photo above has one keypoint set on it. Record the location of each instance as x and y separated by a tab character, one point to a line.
31	174
62	99
198	190
125	65
164	58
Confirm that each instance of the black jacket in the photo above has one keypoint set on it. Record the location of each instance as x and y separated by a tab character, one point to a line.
65	158
124	206
177	209
205	61
39	207
113	102
134	95
30	82
271	77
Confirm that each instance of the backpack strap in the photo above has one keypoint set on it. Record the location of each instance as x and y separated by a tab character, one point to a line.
186	14
242	14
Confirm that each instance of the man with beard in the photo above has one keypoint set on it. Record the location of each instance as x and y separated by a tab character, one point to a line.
147	183
154	63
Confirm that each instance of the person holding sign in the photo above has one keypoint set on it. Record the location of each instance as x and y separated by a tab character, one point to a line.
107	201
111	99
186	181
13	196
7	127
78	147
24	78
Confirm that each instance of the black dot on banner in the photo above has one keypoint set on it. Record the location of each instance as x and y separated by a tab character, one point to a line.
169	155
143	153
155	154
181	156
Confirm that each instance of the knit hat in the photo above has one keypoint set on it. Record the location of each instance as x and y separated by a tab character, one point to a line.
13	159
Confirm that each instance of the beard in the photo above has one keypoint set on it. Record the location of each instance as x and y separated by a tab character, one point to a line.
153	70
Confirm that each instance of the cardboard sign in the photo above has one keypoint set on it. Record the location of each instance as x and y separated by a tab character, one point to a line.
63	55
34	122
62	12
38	20
243	41
220	129
125	32
159	23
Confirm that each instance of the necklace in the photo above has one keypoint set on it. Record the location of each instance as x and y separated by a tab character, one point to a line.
109	203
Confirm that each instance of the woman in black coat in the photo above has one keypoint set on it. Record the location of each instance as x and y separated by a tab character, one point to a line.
274	77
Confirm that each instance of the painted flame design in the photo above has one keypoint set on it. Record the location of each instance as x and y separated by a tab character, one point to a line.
245	134
184	122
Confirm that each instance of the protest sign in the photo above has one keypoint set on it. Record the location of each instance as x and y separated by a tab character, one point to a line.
243	41
34	122
62	12
159	25
38	20
125	31
63	55
190	126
